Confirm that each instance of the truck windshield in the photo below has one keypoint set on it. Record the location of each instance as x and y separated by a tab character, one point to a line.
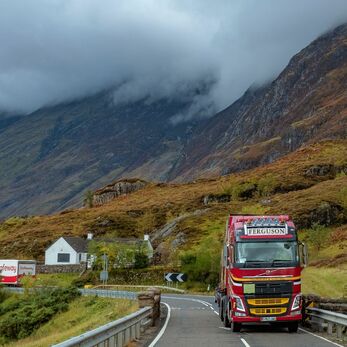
275	253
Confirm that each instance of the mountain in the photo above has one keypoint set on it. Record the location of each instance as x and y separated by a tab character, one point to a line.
306	103
48	159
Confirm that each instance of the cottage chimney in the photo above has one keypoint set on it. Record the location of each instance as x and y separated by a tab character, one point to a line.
89	236
146	237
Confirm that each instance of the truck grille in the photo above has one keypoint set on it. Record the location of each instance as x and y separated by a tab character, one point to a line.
268	301
268	311
271	288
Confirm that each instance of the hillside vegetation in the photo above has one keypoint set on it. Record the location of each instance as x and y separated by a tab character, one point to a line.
309	184
80	315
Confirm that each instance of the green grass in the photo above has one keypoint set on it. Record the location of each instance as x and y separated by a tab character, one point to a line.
53	280
327	282
84	314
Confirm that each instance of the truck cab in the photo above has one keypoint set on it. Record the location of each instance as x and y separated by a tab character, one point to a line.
262	261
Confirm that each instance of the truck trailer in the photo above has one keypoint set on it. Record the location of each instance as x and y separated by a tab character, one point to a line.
261	266
12	270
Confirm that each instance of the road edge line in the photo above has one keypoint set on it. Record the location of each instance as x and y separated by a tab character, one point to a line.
245	342
321	337
162	331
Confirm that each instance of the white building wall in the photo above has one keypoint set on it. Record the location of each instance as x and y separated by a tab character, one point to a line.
60	246
83	257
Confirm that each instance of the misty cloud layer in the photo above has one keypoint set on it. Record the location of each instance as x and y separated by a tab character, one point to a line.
58	50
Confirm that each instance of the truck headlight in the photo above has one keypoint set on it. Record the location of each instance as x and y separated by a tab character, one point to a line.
296	302
239	303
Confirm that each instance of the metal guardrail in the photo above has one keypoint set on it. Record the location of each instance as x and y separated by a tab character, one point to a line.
117	333
119	294
332	319
141	287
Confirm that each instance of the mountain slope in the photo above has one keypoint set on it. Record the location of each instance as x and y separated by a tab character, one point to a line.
310	184
305	104
49	158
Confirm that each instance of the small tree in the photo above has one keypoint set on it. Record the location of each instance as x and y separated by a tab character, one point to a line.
141	260
267	185
89	198
318	236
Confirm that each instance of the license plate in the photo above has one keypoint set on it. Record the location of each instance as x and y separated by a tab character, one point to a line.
268	319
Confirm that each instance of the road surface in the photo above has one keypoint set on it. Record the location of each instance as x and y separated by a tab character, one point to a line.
194	322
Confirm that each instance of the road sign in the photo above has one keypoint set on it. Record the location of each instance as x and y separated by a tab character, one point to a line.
103	275
175	277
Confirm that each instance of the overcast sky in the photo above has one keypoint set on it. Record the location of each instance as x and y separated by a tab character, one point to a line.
56	50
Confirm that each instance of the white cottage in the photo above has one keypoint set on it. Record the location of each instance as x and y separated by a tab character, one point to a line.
67	250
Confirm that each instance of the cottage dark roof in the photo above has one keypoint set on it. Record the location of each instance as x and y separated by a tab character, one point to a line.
77	243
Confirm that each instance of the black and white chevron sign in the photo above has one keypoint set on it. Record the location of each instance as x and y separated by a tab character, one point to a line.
175	277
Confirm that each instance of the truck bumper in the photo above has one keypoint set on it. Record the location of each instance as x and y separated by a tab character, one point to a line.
248	319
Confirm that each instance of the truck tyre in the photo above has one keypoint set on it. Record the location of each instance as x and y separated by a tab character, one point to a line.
236	327
221	309
293	327
227	322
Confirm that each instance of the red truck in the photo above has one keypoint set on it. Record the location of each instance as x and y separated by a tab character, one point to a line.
262	261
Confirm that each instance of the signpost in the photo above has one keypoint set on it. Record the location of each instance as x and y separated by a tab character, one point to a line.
104	272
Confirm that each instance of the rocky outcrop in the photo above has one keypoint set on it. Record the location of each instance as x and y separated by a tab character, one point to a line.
117	189
219	198
325	170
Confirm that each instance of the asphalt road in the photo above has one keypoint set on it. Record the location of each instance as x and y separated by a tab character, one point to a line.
194	322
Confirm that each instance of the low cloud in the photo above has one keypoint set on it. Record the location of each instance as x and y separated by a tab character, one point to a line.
58	50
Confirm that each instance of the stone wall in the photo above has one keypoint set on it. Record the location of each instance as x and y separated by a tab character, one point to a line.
114	190
51	269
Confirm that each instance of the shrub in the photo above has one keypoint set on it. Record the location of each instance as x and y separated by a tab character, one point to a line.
266	185
141	260
244	190
318	236
4	295
23	315
202	264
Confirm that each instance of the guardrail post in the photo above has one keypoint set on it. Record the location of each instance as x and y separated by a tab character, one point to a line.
330	328
137	330
127	335
111	341
120	340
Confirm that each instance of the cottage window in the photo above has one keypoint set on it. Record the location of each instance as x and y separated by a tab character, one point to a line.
63	257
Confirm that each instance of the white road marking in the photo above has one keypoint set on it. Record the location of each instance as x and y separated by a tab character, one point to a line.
224	328
320	337
245	342
202	302
162	331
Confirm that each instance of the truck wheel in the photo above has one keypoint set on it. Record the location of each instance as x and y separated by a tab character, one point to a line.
236	327
221	309
293	327
227	322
